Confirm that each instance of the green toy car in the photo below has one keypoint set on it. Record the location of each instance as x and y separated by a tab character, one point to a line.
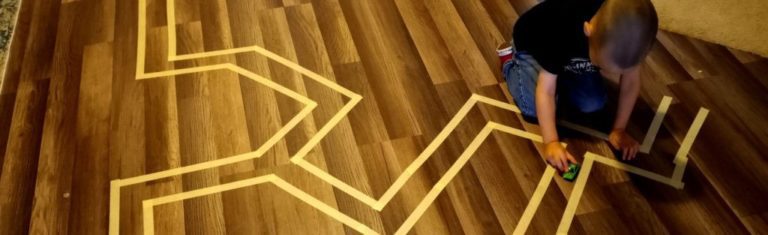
572	172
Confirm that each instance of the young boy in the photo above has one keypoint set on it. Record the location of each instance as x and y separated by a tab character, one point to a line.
563	49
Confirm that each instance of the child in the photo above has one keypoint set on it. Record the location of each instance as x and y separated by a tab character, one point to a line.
563	49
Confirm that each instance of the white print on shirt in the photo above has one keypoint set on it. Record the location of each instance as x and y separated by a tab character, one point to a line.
580	66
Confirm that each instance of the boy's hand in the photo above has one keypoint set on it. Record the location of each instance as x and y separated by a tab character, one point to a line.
557	156
622	141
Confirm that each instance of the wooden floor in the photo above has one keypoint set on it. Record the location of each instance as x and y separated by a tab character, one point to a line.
74	117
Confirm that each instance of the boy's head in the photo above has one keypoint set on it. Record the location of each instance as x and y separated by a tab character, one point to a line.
621	33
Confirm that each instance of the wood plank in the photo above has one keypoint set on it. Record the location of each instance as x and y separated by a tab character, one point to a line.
197	145
503	15
245	25
52	209
604	221
231	138
433	50
486	35
215	22
342	160
743	56
692	59
127	123
162	133
90	184
634	210
335	29
277	38
197	138
102	28
697	208
186	11
743	177
701	199
395	155
377	45
366	118
521	6
660	69
471	203
74	112
758	223
759	70
230	130
260	102
21	156
469	53
6	115
290	3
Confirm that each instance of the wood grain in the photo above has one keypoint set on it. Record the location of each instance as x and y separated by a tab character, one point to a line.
73	117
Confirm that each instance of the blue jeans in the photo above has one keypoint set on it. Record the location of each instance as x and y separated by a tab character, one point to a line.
584	92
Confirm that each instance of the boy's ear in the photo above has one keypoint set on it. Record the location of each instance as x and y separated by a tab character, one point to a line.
588	28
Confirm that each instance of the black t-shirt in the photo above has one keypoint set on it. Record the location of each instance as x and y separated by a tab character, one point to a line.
553	33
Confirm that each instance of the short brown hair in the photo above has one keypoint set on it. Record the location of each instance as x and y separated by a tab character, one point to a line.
628	28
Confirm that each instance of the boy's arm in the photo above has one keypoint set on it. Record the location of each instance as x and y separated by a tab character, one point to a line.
545	105
555	154
629	89
628	93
